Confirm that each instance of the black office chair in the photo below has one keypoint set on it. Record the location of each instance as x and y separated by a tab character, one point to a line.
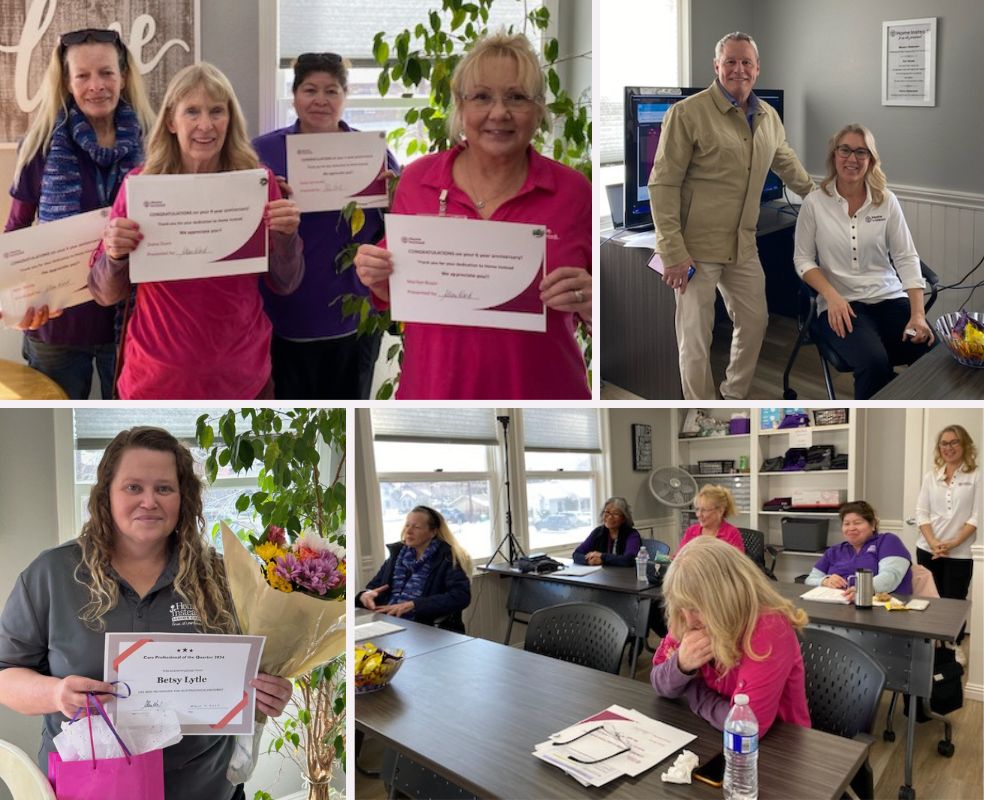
756	548
406	778
809	333
843	688
588	634
656	547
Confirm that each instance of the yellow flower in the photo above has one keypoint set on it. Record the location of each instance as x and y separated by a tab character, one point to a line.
276	581
268	551
341	567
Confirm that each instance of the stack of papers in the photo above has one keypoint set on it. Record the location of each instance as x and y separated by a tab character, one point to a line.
612	743
826	594
578	569
378	628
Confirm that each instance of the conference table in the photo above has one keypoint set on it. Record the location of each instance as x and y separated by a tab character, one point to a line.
901	641
614	587
415	639
473	711
935	376
21	382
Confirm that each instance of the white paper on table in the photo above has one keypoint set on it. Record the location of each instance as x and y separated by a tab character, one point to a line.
826	594
377	628
198	226
203	678
645	240
327	171
576	570
452	271
48	264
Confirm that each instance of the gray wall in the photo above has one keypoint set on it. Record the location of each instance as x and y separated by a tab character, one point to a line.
827	57
230	35
627	483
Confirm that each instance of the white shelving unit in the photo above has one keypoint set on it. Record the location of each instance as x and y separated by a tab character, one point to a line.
761	487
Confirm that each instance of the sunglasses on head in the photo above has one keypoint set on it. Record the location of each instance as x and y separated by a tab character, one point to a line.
100	35
306	59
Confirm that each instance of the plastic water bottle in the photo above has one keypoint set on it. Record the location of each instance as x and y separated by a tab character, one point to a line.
741	751
642	559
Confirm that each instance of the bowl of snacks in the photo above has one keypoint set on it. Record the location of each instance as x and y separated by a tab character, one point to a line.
375	668
963	334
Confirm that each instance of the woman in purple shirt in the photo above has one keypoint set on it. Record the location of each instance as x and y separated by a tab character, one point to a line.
87	135
614	543
317	354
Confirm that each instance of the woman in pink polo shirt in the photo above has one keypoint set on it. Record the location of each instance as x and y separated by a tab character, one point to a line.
712	505
494	173
730	633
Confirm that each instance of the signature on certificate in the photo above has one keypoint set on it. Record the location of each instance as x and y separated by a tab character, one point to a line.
194	251
460	294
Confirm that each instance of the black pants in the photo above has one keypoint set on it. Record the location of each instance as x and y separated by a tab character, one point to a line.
875	345
952	576
327	369
240	792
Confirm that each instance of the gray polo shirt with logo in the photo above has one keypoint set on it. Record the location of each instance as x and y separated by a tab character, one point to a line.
40	630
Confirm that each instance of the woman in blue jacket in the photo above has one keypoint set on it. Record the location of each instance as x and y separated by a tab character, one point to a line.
424	578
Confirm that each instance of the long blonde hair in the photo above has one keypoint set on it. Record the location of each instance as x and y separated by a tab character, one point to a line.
969	448
436	522
874	177
730	592
200	580
54	100
163	151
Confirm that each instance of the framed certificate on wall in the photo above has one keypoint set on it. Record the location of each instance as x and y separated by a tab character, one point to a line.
642	447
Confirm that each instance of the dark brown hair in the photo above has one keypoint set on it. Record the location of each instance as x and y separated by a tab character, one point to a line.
332	63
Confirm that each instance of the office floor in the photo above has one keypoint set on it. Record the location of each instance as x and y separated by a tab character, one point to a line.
936	777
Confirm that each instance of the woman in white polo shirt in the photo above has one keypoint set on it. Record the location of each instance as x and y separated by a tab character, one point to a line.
870	312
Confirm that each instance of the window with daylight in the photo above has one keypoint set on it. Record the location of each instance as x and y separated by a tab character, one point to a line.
346	28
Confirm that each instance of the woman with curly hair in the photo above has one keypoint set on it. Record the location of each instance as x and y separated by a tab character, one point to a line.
140	564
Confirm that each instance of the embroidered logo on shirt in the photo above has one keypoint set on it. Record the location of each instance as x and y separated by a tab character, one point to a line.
874	218
184	614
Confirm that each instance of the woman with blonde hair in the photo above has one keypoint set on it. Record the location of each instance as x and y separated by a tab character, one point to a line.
712	504
85	137
202	337
425	577
854	249
730	632
494	173
140	564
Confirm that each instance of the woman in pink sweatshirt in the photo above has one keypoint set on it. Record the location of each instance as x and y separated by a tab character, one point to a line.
730	633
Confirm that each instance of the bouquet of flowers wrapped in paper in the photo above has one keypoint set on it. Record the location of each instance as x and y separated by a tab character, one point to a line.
294	594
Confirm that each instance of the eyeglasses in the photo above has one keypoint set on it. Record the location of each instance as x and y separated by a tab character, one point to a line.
950	444
860	153
613	513
606	736
483	101
100	35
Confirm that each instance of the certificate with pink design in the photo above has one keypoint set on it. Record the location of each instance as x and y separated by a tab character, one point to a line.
327	171
480	273
202	677
198	226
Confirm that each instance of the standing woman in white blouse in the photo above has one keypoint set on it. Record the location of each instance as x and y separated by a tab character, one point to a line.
870	312
948	511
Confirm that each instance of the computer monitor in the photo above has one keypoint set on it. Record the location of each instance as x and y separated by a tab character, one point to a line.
645	108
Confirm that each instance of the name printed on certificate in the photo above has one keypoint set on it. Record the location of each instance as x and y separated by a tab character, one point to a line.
327	171
198	226
479	273
202	677
48	264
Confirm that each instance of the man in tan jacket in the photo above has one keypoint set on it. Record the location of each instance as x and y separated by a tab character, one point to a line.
714	153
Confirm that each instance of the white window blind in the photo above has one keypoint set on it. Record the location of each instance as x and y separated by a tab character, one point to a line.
452	425
96	427
567	429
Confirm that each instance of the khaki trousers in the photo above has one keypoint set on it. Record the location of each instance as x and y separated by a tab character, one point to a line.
742	286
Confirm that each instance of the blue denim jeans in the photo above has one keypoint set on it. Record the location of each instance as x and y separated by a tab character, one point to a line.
71	367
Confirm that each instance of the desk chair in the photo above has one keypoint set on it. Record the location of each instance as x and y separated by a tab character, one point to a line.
756	548
843	687
20	774
588	634
407	778
809	333
656	547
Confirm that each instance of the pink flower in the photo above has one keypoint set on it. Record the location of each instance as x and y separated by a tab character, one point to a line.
276	535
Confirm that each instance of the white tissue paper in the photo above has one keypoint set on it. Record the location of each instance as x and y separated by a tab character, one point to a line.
244	755
153	729
685	763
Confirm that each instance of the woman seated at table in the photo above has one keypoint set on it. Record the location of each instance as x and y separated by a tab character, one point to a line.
730	633
712	505
864	547
615	542
424	578
854	248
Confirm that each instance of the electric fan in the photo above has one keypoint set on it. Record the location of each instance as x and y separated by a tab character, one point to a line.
673	486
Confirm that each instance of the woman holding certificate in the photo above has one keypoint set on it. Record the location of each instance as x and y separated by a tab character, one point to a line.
141	564
202	337
85	137
317	354
494	174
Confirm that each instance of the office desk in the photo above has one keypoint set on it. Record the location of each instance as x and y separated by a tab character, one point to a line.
473	713
20	382
415	639
901	641
614	587
936	376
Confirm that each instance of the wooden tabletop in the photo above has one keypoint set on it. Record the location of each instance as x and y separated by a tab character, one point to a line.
942	620
20	382
613	579
415	639
474	712
936	376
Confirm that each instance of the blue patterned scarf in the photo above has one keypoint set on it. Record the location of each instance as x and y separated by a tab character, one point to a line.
61	184
411	573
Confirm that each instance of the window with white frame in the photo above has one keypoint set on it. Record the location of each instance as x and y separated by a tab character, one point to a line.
563	465
347	28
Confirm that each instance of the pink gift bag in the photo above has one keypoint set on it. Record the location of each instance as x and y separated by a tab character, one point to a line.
124	778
